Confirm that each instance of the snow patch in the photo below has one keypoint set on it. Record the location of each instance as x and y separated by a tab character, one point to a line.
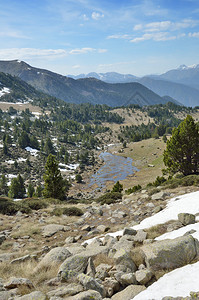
178	283
32	151
4	91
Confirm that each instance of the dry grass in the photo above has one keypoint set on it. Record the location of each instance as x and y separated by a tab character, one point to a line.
25	270
103	259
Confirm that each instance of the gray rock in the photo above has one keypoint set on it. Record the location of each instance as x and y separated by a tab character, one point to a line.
173	226
129	231
143	276
70	240
6	256
54	256
69	290
128	278
109	241
50	229
86	228
2	238
124	261
123	244
170	254
102	271
37	295
89	283
73	266
14	282
140	236
129	292
87	295
6	295
90	271
102	228
160	196
21	259
186	219
111	286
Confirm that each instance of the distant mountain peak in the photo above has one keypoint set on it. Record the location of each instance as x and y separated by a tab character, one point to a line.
184	67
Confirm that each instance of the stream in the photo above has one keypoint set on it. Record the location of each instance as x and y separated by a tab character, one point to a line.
115	168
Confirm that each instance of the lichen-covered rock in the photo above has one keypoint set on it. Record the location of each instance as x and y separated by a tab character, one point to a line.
143	276
54	256
170	254
124	261
129	292
102	271
69	290
14	282
111	286
37	295
89	283
86	295
50	229
73	266
186	218
127	279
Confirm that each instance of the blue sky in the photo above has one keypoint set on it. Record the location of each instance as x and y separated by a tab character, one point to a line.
79	36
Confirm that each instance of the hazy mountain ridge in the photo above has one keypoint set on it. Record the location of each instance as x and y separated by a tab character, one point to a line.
181	84
81	90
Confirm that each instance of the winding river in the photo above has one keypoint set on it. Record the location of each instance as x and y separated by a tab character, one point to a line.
115	168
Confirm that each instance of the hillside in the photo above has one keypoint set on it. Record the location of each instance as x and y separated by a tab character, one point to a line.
82	90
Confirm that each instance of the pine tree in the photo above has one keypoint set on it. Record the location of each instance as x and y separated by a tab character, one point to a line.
182	151
3	185
31	190
17	187
54	185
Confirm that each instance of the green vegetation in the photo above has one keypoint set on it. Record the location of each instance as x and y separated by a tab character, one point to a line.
54	184
17	188
181	154
110	198
134	189
118	187
69	211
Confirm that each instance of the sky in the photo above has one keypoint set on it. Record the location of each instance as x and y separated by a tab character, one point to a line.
136	37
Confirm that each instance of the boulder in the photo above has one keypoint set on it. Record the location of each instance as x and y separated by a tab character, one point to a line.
127	279
69	290
170	254
160	196
102	271
89	283
37	295
129	292
50	229
6	295
73	266
54	256
186	219
140	236
87	295
143	276
129	231
124	261
111	286
2	238
14	282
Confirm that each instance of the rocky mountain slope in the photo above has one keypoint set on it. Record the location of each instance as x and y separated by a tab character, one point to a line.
74	258
82	90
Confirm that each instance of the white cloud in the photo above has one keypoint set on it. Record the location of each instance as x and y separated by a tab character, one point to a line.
138	27
119	36
194	34
86	50
27	53
76	66
157	36
166	25
12	34
97	16
85	18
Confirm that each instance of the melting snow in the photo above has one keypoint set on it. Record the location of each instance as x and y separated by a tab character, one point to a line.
32	151
179	282
4	91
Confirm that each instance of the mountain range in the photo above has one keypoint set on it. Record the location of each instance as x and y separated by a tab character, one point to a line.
111	88
181	84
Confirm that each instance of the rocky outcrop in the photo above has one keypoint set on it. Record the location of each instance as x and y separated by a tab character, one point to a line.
170	254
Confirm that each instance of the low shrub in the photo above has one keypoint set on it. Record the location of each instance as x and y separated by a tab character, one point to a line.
109	198
69	211
10	207
35	204
134	189
72	211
